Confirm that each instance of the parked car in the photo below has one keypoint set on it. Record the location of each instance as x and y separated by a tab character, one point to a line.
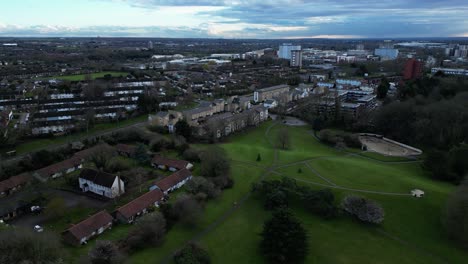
38	228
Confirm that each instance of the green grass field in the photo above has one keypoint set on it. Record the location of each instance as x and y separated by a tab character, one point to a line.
230	226
81	77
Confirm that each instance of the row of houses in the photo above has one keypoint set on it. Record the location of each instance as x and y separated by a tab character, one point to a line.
13	184
65	167
95	225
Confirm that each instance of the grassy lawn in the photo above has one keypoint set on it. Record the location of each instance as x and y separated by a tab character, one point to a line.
303	145
411	232
81	77
246	146
38	144
214	209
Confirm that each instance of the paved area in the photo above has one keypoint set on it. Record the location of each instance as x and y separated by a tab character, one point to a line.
385	147
71	199
292	121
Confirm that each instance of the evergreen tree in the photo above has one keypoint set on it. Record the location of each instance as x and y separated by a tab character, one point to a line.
284	240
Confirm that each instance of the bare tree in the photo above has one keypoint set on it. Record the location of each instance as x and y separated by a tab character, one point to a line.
283	138
105	252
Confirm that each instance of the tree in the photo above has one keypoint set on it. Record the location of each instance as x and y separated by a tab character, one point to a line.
214	163
141	155
105	252
182	128
192	254
284	240
259	158
436	162
187	209
202	185
455	215
25	246
283	138
382	89
320	202
101	155
149	231
276	199
365	210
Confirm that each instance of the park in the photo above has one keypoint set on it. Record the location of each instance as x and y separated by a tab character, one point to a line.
230	225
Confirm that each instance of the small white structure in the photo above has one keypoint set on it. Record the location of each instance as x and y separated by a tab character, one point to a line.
417	193
270	103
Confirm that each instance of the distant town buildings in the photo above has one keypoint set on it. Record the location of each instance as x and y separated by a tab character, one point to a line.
296	58
150	45
286	49
387	53
457	51
274	92
449	71
413	69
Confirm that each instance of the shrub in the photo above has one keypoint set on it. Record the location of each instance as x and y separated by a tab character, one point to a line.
25	246
352	140
192	254
149	231
365	210
202	185
187	209
105	252
320	202
192	155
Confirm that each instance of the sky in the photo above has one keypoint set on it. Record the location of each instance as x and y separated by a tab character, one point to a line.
272	19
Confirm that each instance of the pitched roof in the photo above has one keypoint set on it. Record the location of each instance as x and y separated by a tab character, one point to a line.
170	181
140	203
98	177
126	148
86	227
13	182
178	164
86	153
58	167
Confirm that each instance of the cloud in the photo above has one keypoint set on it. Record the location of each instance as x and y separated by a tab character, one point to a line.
272	19
103	31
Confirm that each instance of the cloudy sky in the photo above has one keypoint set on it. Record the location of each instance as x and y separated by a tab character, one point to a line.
235	19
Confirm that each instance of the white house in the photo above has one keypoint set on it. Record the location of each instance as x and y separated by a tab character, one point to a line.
270	103
101	183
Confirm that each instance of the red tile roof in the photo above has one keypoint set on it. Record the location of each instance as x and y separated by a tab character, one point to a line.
86	153
13	182
129	149
58	167
170	181
178	164
140	203
86	227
